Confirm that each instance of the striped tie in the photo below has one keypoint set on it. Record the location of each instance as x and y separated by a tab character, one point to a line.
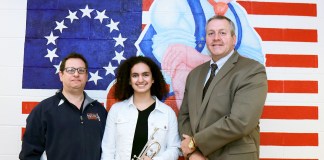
212	75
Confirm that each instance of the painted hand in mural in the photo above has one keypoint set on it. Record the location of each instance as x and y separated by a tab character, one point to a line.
178	61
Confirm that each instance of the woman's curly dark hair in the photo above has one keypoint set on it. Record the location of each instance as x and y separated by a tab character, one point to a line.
123	90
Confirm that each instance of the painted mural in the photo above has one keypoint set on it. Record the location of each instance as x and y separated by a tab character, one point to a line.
172	33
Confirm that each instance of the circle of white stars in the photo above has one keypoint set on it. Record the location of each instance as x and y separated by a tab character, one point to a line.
86	13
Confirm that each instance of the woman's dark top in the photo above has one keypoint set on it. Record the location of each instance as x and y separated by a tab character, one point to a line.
141	130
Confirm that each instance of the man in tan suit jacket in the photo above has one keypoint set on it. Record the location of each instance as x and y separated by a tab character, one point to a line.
224	125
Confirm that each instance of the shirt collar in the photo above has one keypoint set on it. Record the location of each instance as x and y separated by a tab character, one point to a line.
158	104
222	61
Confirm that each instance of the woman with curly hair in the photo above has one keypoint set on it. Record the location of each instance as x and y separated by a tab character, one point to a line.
140	120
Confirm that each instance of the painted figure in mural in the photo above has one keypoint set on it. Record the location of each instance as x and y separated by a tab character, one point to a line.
175	37
68	125
140	120
223	100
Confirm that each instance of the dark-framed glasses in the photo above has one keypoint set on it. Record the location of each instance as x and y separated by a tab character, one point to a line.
71	70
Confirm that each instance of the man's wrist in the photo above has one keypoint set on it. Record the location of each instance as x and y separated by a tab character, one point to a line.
190	154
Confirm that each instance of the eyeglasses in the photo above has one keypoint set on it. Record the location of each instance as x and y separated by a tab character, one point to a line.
71	70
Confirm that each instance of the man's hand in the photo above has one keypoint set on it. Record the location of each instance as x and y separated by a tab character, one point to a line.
197	156
185	145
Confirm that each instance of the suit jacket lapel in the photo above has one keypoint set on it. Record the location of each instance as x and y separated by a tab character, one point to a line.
201	83
229	64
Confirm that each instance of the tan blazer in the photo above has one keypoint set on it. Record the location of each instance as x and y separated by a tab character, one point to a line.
225	124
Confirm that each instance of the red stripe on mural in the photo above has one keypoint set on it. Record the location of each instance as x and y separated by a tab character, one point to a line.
146	4
288	139
269	112
279	139
22	132
291	86
290	112
27	107
284	34
277	8
285	60
284	159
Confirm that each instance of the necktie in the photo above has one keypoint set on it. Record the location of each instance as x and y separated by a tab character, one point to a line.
212	75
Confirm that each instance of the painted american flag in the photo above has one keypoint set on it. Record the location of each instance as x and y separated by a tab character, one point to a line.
290	121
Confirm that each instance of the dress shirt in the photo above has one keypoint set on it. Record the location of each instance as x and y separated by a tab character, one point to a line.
219	63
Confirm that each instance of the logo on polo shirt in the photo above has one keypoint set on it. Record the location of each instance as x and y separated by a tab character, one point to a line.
93	116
